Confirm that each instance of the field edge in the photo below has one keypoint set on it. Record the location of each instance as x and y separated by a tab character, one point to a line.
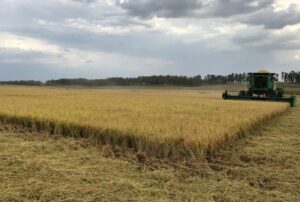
163	149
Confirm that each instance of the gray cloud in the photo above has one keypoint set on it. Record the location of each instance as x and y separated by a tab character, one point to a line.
166	8
21	65
147	45
251	12
265	40
191	8
271	19
228	8
85	1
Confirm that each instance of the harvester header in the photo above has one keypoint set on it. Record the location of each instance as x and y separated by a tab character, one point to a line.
262	86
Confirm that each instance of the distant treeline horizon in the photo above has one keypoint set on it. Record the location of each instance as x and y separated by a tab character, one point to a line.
159	80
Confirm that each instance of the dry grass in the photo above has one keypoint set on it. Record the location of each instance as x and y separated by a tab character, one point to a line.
160	123
262	167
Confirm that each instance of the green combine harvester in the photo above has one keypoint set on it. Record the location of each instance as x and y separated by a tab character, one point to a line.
262	86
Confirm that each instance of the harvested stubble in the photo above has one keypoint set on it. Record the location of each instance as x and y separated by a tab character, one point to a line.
160	123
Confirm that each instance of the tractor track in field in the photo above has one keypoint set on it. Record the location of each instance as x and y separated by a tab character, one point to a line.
264	166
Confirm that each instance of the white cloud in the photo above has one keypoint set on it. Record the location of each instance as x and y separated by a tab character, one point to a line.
280	5
12	41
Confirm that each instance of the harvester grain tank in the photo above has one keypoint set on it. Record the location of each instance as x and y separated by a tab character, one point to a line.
262	86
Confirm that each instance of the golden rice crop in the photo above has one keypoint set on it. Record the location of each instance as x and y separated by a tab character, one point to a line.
161	123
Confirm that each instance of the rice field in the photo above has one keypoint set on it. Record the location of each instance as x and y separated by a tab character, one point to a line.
160	123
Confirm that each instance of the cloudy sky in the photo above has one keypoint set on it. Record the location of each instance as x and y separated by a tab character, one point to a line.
44	39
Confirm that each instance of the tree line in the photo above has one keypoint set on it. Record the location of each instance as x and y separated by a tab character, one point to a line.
159	80
23	82
291	77
168	80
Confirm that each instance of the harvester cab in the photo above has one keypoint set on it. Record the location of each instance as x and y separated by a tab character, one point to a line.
262	86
